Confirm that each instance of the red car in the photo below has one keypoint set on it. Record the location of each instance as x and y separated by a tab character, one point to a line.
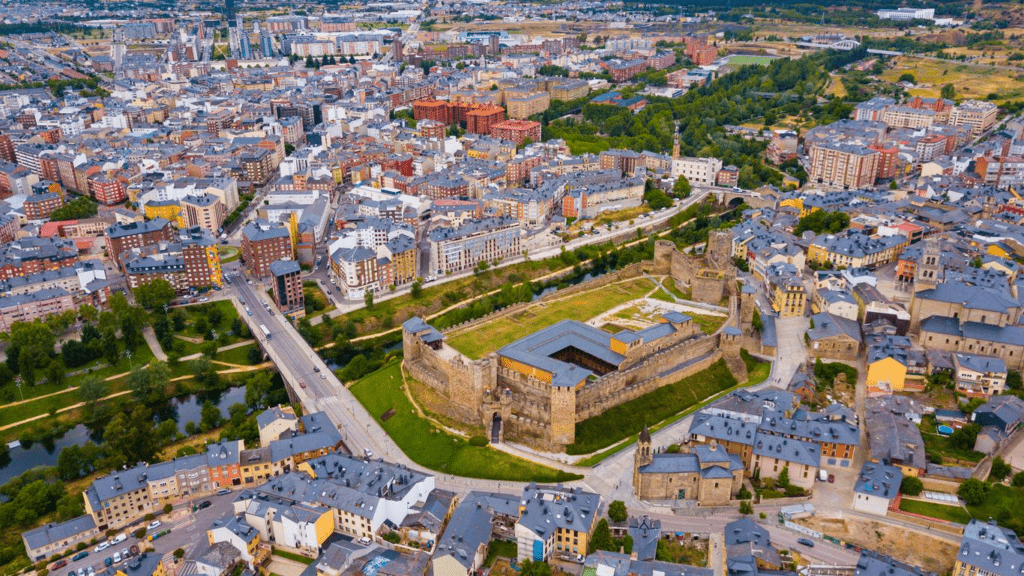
301	383
59	564
831	478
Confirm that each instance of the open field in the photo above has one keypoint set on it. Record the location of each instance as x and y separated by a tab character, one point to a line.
971	81
479	340
382	395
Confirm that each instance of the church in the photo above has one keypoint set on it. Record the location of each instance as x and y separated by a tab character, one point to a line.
707	474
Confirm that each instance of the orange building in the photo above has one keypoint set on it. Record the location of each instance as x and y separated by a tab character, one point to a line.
481	120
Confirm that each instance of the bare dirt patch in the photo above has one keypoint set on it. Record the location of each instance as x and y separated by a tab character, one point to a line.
915	548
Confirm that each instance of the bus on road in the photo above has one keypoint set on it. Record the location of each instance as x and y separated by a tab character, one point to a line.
266	332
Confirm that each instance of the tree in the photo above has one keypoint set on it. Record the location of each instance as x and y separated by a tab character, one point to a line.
746	507
911	486
130	438
964	438
973	491
531	568
602	538
210	417
368	299
948	91
822	221
149	383
309	62
55	372
1000	469
908	77
617	511
682	188
783	480
256	390
416	290
91	390
254	356
1013	380
205	374
1018	480
154	294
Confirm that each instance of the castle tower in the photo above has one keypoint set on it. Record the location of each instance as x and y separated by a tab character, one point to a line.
929	267
642	457
675	145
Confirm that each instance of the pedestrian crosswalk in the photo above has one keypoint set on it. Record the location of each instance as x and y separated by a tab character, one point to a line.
187	568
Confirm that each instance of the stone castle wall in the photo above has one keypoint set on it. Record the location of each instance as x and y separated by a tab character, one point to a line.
537	414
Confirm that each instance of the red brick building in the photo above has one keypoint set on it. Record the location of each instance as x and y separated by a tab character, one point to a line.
887	161
121	238
40	206
481	120
108	191
263	243
517	131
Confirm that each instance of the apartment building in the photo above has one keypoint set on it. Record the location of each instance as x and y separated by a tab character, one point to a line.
987	550
191	263
786	290
36	305
555	522
517	131
569	90
482	120
840	164
287	286
40	206
976	115
522	107
122	238
264	243
476	241
856	249
205	211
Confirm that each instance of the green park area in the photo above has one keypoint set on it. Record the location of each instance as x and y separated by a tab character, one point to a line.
317	302
382	394
490	336
746	59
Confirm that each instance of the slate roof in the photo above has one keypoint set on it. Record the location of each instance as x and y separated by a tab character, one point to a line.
537	348
546	508
878	480
788	450
54	532
991	548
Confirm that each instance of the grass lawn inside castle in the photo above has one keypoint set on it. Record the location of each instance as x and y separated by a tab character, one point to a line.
477	341
427	445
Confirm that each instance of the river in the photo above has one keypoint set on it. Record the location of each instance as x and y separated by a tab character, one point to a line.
182	410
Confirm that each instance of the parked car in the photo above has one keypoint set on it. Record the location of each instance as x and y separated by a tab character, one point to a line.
79	556
365	541
81	572
125	554
89	570
59	564
117	557
367	452
153	525
223	491
323	376
831	478
108	562
101	547
805	542
205	504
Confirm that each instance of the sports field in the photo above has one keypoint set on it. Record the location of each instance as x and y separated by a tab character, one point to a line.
743	60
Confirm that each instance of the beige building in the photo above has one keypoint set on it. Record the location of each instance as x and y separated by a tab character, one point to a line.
974	114
708	474
205	211
801	460
522	107
841	165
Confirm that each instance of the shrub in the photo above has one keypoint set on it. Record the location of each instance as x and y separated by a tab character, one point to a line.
478	441
911	486
617	511
167	508
792	491
973	491
746	507
179	553
140	533
743	494
149	517
392	537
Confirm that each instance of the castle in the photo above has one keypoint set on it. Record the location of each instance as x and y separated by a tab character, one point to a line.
536	389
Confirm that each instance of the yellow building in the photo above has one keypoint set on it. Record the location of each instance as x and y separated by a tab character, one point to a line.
797	203
166	209
886	375
555	521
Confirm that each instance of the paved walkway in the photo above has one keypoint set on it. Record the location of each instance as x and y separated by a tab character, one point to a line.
154	344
